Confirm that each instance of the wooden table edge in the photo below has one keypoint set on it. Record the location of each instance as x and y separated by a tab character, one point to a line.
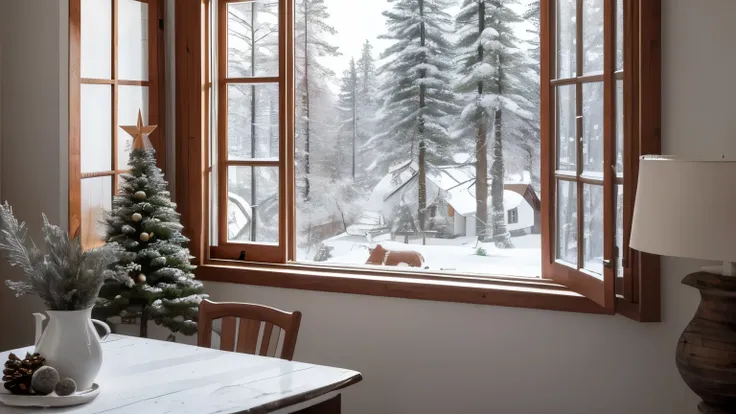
305	396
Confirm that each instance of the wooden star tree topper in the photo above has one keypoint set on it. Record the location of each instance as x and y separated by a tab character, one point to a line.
138	132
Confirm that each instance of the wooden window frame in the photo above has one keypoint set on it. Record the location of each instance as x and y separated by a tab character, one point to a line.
640	296
156	99
224	248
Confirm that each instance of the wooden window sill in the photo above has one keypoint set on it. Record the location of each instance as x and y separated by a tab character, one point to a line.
534	294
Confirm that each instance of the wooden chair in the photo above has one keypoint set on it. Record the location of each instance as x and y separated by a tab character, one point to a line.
254	327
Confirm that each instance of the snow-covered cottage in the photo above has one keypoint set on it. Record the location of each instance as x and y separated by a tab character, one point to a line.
451	199
520	202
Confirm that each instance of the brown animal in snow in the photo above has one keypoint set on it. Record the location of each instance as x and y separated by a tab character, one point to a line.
383	257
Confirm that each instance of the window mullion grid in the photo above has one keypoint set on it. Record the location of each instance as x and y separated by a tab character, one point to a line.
224	162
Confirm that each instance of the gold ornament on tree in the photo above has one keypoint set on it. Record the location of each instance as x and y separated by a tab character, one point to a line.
145	237
140	195
136	217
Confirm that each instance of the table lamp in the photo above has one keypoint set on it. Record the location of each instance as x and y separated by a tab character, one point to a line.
687	208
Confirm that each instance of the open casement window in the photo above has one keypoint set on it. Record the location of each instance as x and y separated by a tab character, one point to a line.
248	153
238	162
115	70
598	117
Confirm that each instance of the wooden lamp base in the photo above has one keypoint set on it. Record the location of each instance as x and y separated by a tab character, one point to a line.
706	352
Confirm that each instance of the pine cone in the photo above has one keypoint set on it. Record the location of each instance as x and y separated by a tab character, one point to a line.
17	373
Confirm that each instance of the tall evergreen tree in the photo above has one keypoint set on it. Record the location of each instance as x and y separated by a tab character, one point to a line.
494	67
312	41
367	104
531	144
475	74
416	92
366	67
347	106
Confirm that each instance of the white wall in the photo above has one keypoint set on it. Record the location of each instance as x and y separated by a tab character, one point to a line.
427	357
35	113
525	213
420	356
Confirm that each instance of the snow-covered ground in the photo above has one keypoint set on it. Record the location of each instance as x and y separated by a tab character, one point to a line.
445	255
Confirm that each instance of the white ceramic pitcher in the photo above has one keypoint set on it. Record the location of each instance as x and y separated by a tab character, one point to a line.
71	345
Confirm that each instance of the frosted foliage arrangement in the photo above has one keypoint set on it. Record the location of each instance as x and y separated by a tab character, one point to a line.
153	279
63	275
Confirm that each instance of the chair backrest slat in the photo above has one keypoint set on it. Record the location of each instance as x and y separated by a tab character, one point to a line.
227	337
267	331
251	337
248	336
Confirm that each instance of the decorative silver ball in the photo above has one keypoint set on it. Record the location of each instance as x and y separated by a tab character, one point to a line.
141	278
65	387
145	237
136	217
44	380
140	195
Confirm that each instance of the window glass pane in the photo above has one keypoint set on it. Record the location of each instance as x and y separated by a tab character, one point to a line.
359	70
253	204
593	129
96	200
131	99
619	127
132	40
620	230
619	34
593	232
566	128
592	36
253	38
253	121
96	128
96	39
567	221
566	38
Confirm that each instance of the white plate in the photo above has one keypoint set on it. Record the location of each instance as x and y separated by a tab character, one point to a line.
51	400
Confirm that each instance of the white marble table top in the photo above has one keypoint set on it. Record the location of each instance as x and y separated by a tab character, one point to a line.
146	376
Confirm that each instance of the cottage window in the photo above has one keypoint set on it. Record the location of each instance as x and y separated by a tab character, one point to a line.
304	150
513	216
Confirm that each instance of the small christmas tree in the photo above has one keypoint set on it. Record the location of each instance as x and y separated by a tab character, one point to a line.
154	279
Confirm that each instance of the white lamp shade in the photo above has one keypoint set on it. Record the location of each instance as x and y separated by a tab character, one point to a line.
685	208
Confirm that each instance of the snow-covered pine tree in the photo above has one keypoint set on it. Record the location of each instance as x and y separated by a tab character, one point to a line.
347	107
312	42
366	67
531	145
367	107
416	93
475	73
496	66
154	279
532	15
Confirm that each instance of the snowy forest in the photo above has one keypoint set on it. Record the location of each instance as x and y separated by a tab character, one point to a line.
447	88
